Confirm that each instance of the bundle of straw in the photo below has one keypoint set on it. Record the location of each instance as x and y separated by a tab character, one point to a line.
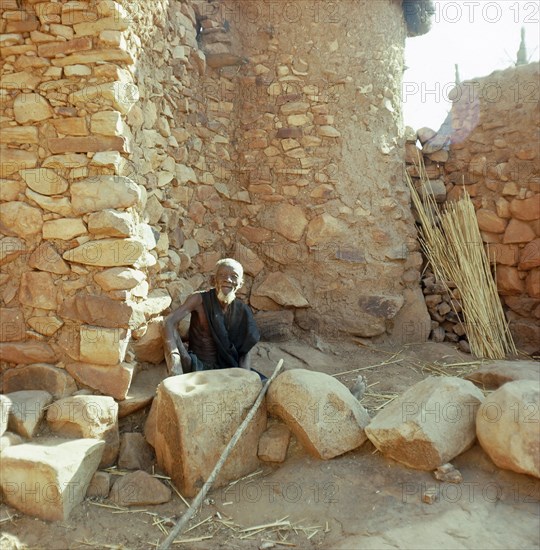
453	245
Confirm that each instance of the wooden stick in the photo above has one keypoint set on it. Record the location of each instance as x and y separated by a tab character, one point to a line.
182	522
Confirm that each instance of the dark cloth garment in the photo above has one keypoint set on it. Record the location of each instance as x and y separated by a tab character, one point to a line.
234	332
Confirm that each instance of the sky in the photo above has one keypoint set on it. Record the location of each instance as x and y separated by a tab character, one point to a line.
480	36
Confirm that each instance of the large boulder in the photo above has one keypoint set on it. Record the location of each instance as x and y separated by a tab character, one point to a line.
88	416
197	415
507	426
320	411
430	424
49	477
27	411
495	374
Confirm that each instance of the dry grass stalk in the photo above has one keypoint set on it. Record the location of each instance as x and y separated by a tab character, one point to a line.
453	245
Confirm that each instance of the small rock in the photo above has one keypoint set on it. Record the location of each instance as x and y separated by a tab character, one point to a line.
359	387
274	443
135	453
430	496
139	489
448	474
100	485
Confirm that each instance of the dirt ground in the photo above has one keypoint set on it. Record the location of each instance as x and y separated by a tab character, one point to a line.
360	500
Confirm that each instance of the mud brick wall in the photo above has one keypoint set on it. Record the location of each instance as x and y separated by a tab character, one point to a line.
140	142
489	148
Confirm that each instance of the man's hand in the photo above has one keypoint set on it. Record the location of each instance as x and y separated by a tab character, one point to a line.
174	362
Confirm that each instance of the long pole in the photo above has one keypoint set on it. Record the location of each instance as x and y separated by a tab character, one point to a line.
190	512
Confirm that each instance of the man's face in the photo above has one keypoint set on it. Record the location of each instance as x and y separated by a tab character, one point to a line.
228	280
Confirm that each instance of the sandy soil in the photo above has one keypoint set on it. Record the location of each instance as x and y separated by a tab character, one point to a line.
360	500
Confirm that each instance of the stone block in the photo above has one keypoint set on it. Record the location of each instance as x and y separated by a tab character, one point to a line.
490	222
518	231
495	374
529	256
106	252
101	192
103	346
26	352
49	477
27	411
72	126
274	443
142	390
430	424
87	416
326	229
58	205
10	249
52	49
107	123
19	134
508	281
119	278
13	160
149	347
139	489
12	327
285	219
46	258
113	380
281	289
197	414
44	181
121	95
320	411
88	144
100	485
526	209
507	426
20	219
101	311
135	453
38	290
112	223
64	229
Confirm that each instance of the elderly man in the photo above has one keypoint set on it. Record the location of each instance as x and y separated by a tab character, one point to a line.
222	331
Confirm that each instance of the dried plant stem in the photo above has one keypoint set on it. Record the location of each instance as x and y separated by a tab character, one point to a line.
453	245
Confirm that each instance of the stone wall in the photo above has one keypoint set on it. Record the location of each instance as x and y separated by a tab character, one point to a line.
488	147
142	142
319	161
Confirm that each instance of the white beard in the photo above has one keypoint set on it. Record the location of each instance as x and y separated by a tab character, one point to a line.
226	298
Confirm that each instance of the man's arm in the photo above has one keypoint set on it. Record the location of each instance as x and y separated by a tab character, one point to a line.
245	362
176	355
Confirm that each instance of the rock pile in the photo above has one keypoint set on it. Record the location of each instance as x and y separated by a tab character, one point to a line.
481	150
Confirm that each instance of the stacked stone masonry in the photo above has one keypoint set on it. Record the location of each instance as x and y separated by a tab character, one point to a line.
489	148
142	142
